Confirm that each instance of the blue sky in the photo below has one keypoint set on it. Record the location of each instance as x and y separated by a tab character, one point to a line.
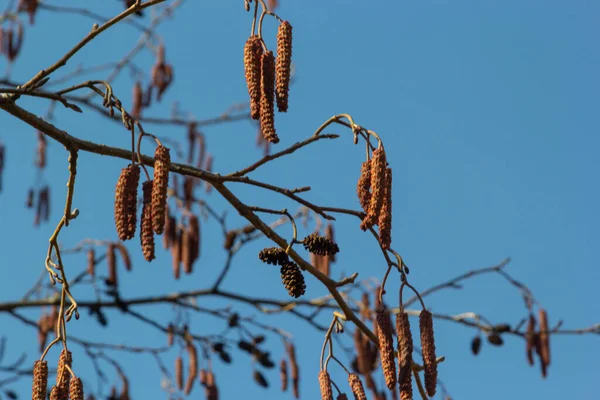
488	111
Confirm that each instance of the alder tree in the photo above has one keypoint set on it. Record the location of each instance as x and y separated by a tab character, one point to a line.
163	202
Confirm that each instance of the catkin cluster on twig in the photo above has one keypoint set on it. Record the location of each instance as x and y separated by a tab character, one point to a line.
284	62
126	201
428	350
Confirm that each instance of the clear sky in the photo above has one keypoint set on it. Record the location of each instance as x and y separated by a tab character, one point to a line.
489	114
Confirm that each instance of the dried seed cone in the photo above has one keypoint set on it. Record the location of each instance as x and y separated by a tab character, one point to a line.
76	389
179	372
544	337
126	201
192	369
252	54
386	347
162	163
385	216
284	63
292	279
325	385
62	374
405	349
531	339
146	233
40	380
428	350
267	88
357	387
320	245
273	255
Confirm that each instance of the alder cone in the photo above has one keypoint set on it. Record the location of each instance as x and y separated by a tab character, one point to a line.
76	389
386	347
292	279
357	387
40	380
146	233
62	374
405	349
252	54
428	350
283	67
267	97
126	201
162	164
325	385
341	396
385	215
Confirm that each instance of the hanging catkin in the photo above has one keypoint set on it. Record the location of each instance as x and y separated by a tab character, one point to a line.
40	380
76	389
385	216
378	166
386	347
428	350
179	372
283	373
252	54
267	89
162	164
126	201
284	62
146	232
62	374
193	367
325	385
363	187
357	387
405	349
531	339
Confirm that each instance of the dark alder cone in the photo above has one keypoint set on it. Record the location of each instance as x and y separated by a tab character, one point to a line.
385	215
386	347
267	88
179	372
138	99
176	248
126	201
62	374
284	63
252	54
325	385
531	338
162	163
320	245
40	380
378	167
146	233
283	372
76	389
363	187
428	350
112	265
544	337
91	259
495	339
292	279
341	396
476	345
260	379
193	367
405	350
274	256
357	387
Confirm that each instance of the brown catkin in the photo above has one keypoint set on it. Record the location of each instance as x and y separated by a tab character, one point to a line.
56	394
284	63
194	237
428	350
137	98
162	163
267	88
112	265
385	216
544	336
186	250
283	372
76	389
170	231
378	166
179	372
176	253
405	349
386	347
126	201
363	187
294	369
252	53
531	339
124	256
91	259
170	334
62	374
325	385
357	387
40	380
193	367
146	233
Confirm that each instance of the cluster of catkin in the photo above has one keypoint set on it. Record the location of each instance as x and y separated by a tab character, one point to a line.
323	262
161	73
154	205
268	79
374	189
354	381
11	40
67	386
538	341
